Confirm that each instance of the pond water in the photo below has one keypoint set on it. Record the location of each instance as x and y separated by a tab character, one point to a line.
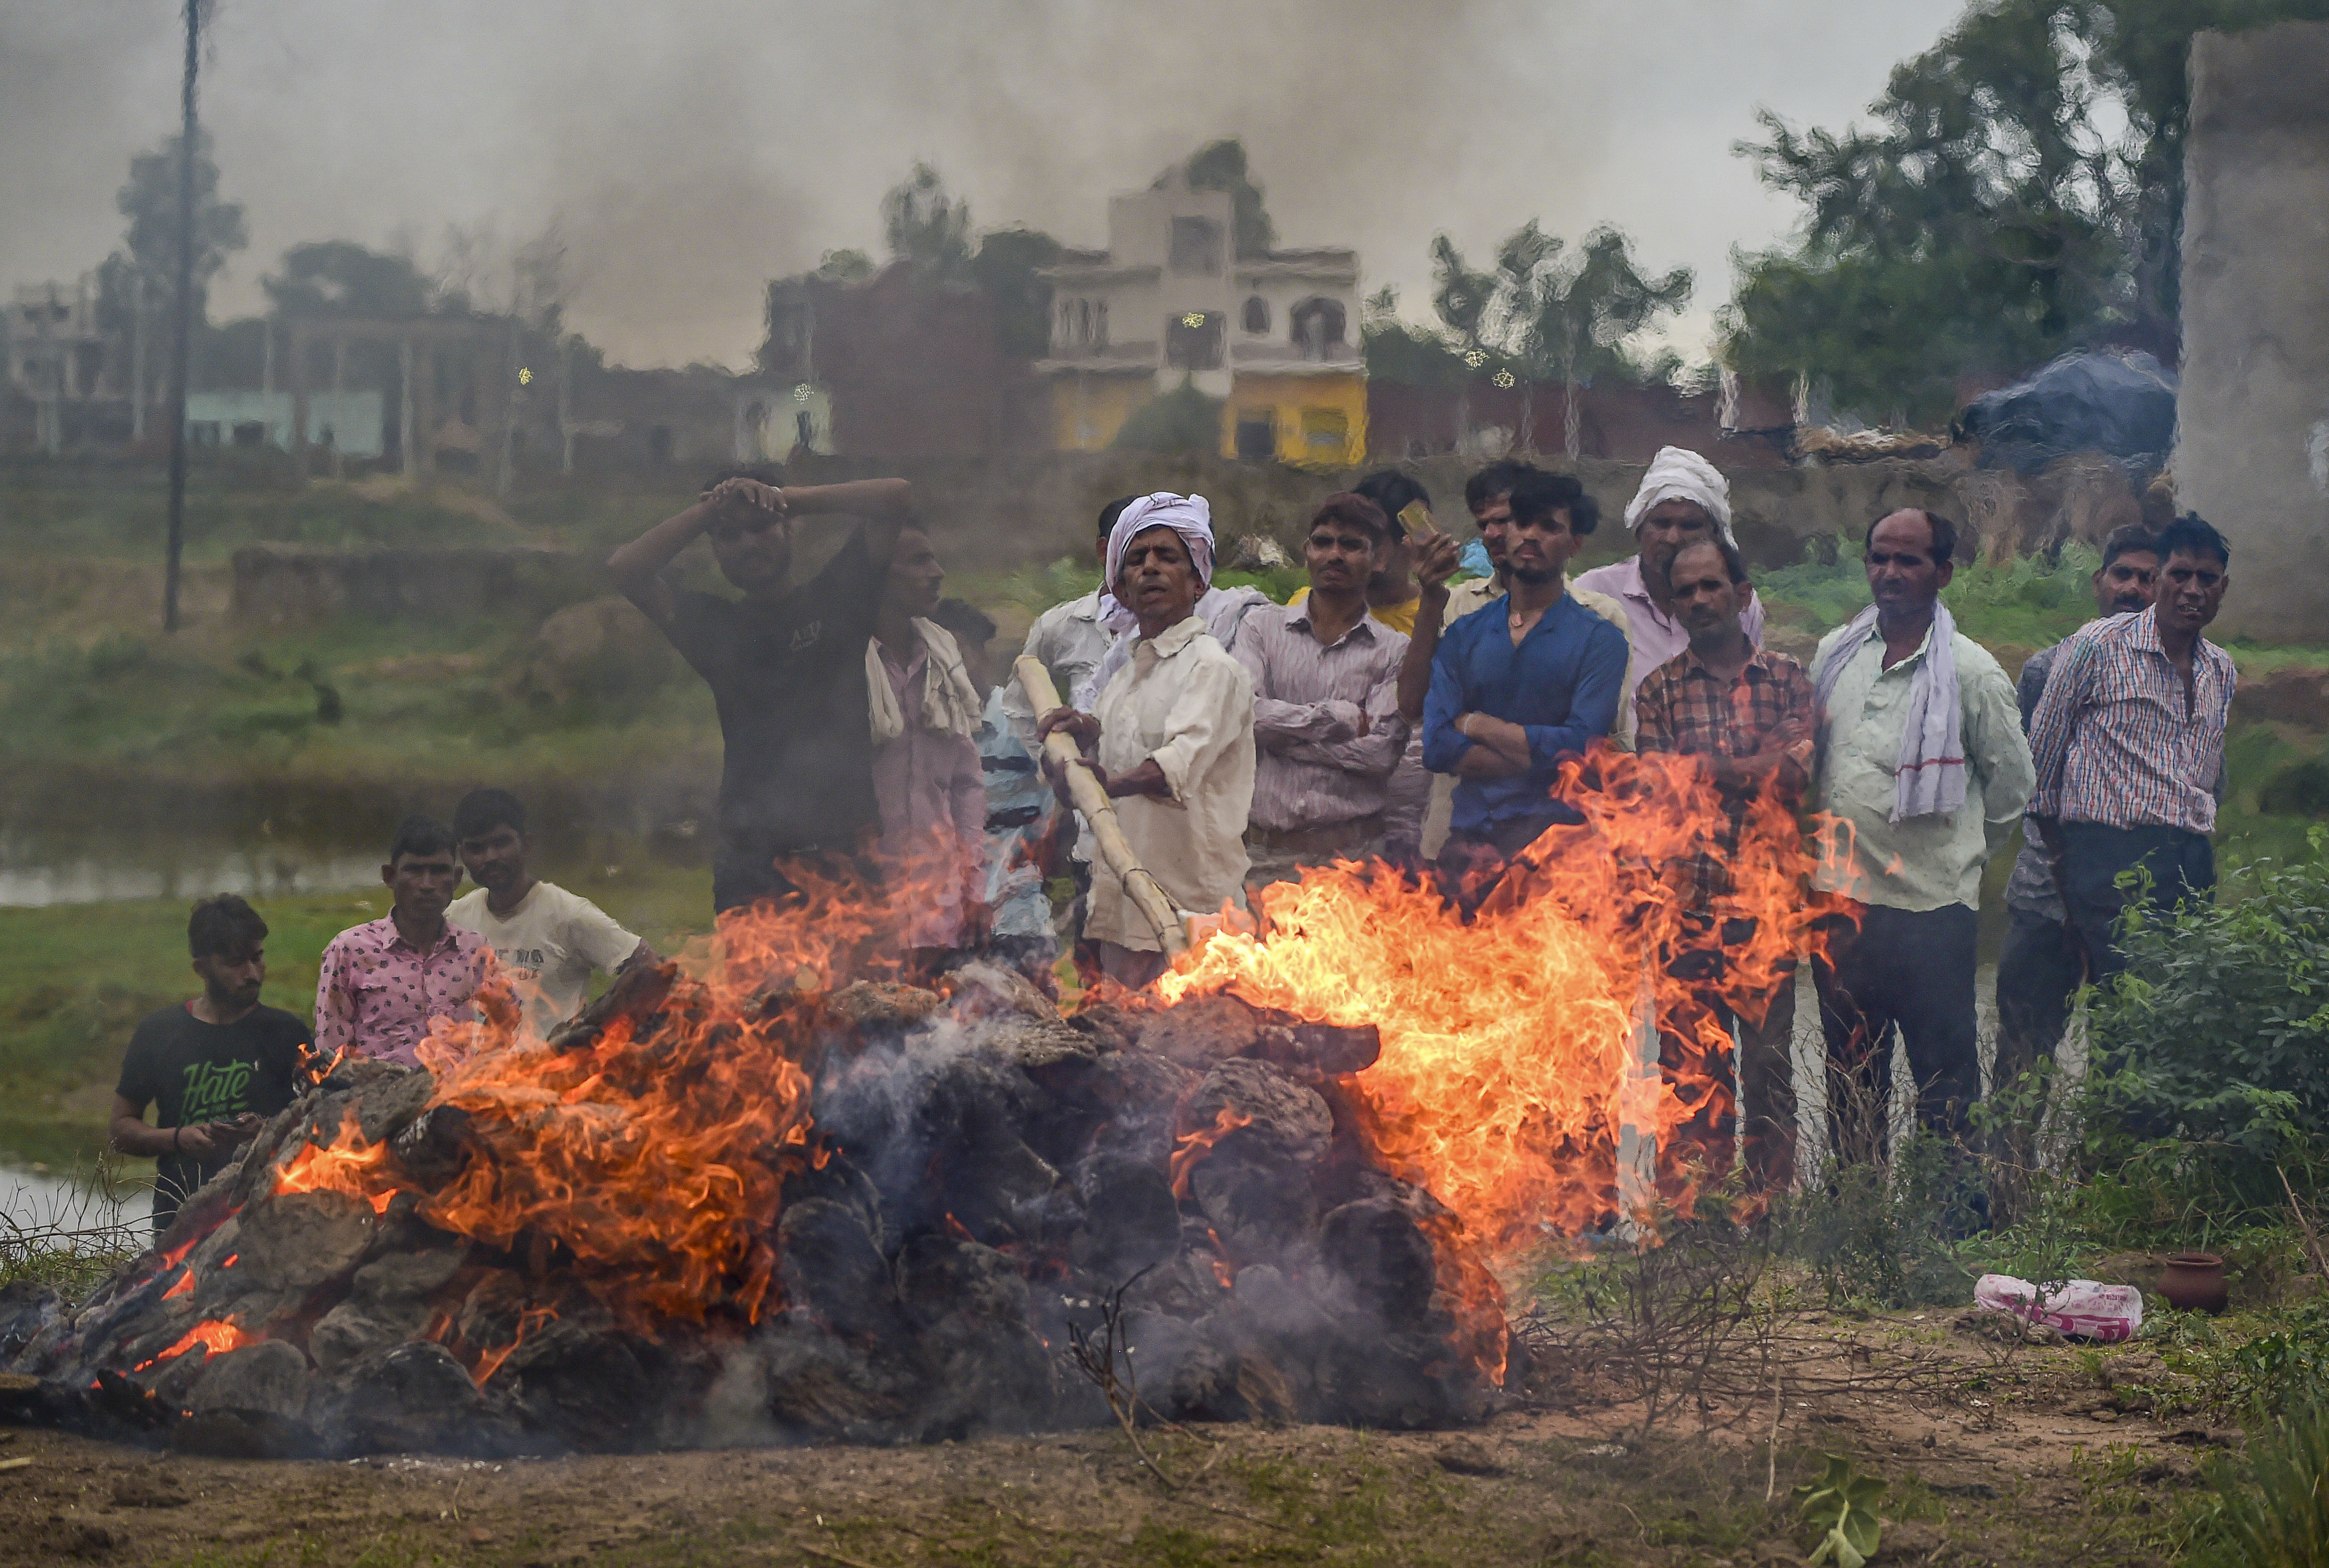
42	1197
92	879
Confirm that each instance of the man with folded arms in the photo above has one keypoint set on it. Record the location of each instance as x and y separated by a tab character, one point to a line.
1517	689
1325	704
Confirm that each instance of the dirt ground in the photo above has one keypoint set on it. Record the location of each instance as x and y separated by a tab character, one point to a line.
2031	1455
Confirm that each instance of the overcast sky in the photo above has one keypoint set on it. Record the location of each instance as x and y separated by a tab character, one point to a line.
692	149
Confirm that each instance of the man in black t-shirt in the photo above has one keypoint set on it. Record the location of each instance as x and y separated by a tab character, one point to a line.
787	668
214	1067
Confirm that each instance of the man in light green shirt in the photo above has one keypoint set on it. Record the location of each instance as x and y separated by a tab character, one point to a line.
1922	759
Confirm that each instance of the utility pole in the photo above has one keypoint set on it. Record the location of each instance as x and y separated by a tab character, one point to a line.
136	353
182	344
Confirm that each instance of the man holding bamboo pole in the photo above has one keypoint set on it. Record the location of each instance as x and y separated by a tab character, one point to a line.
1170	740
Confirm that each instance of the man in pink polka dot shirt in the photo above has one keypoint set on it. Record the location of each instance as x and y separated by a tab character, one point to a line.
384	980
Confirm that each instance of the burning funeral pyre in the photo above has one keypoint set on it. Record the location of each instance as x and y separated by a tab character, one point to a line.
748	1201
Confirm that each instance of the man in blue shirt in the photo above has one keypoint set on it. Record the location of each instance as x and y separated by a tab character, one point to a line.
1528	681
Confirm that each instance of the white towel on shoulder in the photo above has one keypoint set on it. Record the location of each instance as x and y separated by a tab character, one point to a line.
949	701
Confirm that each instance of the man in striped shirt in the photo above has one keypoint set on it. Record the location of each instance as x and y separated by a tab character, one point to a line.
2126	744
2044	961
1325	702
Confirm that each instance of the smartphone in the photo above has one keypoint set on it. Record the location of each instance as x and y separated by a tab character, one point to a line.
1415	520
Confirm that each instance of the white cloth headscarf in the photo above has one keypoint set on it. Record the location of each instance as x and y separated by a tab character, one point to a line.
1187	515
949	701
1931	776
1677	473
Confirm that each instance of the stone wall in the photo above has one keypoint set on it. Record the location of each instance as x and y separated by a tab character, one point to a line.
2252	443
283	585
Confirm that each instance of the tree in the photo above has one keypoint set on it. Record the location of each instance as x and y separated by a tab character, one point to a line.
1008	268
844	266
1395	352
1588	308
1184	421
927	228
1221	166
2021	194
1461	296
1523	261
150	245
341	277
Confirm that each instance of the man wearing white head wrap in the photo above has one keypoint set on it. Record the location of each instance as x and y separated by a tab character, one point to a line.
1223	609
1170	738
1684	499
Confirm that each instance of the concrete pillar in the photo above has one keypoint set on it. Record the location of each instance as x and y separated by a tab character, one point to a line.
2252	437
405	440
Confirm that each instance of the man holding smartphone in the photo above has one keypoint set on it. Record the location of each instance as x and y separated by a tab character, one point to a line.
213	1068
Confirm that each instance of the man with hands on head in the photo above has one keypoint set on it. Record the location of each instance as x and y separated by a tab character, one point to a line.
1170	738
787	668
213	1068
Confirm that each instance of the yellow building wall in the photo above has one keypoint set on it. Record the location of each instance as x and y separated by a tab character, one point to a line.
1321	421
1087	411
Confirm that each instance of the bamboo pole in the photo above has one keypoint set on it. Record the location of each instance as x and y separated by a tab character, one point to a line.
1140	884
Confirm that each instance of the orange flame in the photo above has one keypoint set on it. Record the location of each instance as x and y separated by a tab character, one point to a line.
186	1283
1192	1147
491	1361
347	1164
1510	1043
214	1335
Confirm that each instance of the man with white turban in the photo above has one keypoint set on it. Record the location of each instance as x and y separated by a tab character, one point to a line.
1170	737
1684	499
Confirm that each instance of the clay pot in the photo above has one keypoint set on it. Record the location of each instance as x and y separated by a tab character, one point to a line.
2193	1283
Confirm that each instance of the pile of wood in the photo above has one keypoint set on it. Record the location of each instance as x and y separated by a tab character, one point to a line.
1190	1189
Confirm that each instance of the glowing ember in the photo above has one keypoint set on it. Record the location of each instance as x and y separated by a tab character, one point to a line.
215	1337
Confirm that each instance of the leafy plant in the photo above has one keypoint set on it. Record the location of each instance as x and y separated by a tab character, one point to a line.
2219	1031
1841	1506
2273	1508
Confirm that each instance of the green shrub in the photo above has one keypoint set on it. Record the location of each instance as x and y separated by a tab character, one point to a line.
2218	1033
2272	1508
1182	420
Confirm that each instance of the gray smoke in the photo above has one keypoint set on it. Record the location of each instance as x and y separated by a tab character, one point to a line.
693	151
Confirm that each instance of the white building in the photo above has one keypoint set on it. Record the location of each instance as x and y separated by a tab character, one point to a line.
1170	301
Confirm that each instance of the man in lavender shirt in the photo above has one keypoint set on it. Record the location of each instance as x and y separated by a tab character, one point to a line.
1683	499
383	983
1325	702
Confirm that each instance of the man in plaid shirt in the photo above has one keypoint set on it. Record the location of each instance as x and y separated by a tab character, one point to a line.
1747	712
2127	742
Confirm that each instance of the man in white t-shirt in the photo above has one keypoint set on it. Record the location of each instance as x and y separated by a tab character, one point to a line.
547	940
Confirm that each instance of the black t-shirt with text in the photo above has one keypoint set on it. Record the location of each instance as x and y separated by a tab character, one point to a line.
194	1072
789	682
